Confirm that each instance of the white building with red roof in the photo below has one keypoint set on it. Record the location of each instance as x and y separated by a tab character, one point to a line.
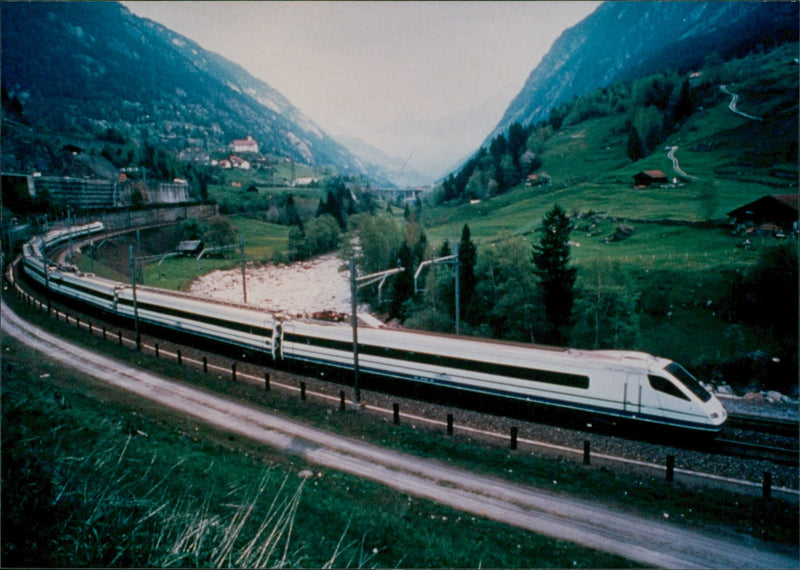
245	145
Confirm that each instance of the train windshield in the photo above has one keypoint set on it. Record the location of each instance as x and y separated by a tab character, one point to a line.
689	381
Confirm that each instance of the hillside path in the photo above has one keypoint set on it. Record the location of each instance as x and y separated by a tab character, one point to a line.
734	102
676	166
650	542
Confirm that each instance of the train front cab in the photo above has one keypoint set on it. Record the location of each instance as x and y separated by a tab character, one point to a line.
673	396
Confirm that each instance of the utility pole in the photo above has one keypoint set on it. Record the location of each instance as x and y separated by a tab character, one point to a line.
139	256
458	289
379	277
135	304
46	277
354	323
244	275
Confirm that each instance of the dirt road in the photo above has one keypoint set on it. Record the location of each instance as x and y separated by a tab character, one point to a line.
652	543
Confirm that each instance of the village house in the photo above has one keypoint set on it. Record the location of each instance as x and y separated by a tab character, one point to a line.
647	178
537	180
305	181
239	162
245	145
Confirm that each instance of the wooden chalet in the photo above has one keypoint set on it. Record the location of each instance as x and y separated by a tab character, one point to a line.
647	178
772	210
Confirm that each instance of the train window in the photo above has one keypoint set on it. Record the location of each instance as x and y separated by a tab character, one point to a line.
661	384
689	381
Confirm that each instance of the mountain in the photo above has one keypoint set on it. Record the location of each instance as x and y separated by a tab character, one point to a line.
624	40
85	67
385	170
434	145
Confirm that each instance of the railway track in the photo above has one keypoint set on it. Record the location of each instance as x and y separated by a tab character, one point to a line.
757	451
774	426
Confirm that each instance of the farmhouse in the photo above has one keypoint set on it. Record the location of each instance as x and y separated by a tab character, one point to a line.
647	178
773	210
537	180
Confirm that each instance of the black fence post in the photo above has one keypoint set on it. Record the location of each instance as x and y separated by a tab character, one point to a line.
120	337
205	364
302	390
396	413
587	452
180	357
449	424
513	438
233	372
266	381
766	485
342	406
670	468
104	332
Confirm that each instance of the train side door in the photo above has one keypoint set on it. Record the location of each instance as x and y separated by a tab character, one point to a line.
273	343
284	345
632	399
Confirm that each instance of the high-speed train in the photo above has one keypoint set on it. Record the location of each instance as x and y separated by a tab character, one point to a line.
612	385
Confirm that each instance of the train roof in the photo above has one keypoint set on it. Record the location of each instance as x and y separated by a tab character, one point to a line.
475	348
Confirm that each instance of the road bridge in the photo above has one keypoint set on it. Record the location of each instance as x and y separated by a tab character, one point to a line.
403	194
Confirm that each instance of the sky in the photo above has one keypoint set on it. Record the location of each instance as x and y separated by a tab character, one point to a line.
366	69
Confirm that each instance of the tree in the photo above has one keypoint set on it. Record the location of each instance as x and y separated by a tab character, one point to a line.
378	239
649	123
506	294
297	244
605	310
291	213
556	278
403	289
467	259
635	150
219	232
322	235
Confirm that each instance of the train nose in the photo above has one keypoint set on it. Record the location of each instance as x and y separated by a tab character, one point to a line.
717	413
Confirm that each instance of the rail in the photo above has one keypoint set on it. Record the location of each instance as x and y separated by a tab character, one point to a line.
760	424
745	450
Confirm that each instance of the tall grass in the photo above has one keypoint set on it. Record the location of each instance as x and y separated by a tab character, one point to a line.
88	482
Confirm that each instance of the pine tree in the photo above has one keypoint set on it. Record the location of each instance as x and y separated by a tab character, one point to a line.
635	151
467	259
557	279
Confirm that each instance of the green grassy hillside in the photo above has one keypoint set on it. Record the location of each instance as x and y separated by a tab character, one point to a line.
681	256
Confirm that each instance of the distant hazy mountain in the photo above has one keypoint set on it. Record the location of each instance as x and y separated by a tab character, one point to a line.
435	145
390	171
88	66
626	40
